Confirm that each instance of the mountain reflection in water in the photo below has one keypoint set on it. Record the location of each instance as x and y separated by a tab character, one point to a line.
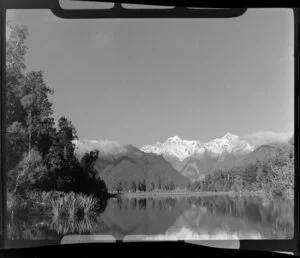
182	218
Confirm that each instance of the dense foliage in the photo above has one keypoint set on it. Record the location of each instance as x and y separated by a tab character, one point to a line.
40	151
274	176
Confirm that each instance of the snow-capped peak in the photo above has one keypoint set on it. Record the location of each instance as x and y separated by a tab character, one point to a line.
229	143
174	138
230	137
174	146
181	149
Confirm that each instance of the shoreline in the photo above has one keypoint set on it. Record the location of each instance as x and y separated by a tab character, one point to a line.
183	193
173	194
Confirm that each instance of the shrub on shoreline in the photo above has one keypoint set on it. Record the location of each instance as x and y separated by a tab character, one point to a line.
72	204
53	202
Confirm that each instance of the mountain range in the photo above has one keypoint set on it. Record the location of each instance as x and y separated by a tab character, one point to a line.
181	149
195	159
175	159
127	165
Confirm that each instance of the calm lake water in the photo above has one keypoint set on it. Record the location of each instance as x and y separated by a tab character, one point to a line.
182	218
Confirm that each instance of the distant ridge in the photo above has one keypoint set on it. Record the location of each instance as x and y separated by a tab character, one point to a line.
126	164
172	158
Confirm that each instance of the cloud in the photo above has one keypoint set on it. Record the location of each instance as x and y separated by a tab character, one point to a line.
104	146
261	138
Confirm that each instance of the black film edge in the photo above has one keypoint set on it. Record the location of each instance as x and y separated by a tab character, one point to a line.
119	12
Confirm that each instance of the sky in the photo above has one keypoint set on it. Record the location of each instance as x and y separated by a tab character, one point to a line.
142	81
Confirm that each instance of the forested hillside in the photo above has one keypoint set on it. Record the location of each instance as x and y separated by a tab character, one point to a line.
273	174
138	171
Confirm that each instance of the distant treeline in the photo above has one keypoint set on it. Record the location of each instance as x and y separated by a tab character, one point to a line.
143	186
274	175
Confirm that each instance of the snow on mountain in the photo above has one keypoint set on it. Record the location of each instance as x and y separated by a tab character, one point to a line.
176	147
192	159
181	149
230	144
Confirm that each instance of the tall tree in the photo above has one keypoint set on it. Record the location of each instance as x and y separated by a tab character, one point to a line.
26	98
133	186
36	104
66	134
144	188
159	184
15	70
119	188
15	73
152	186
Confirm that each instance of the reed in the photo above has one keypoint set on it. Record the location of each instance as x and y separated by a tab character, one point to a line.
72	205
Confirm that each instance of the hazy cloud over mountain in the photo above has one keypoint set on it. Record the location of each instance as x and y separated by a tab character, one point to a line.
261	138
104	146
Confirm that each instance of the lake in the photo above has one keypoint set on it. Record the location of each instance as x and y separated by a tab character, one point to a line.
168	218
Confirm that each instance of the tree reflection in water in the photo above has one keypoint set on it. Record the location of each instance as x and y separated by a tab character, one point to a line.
70	225
273	219
142	204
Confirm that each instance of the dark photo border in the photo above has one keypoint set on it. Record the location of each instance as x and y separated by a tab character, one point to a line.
179	11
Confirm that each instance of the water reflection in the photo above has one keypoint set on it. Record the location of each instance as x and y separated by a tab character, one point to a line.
70	225
184	218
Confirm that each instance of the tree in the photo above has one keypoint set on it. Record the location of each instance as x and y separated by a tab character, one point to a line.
15	73
125	186
87	178
280	171
46	136
133	186
170	185
88	161
195	186
39	153
15	70
29	173
159	183
119	188
152	186
163	185
144	188
140	186
60	159
16	136
36	104
238	183
26	98
66	134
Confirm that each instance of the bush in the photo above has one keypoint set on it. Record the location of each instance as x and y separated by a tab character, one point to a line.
29	173
72	205
12	201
